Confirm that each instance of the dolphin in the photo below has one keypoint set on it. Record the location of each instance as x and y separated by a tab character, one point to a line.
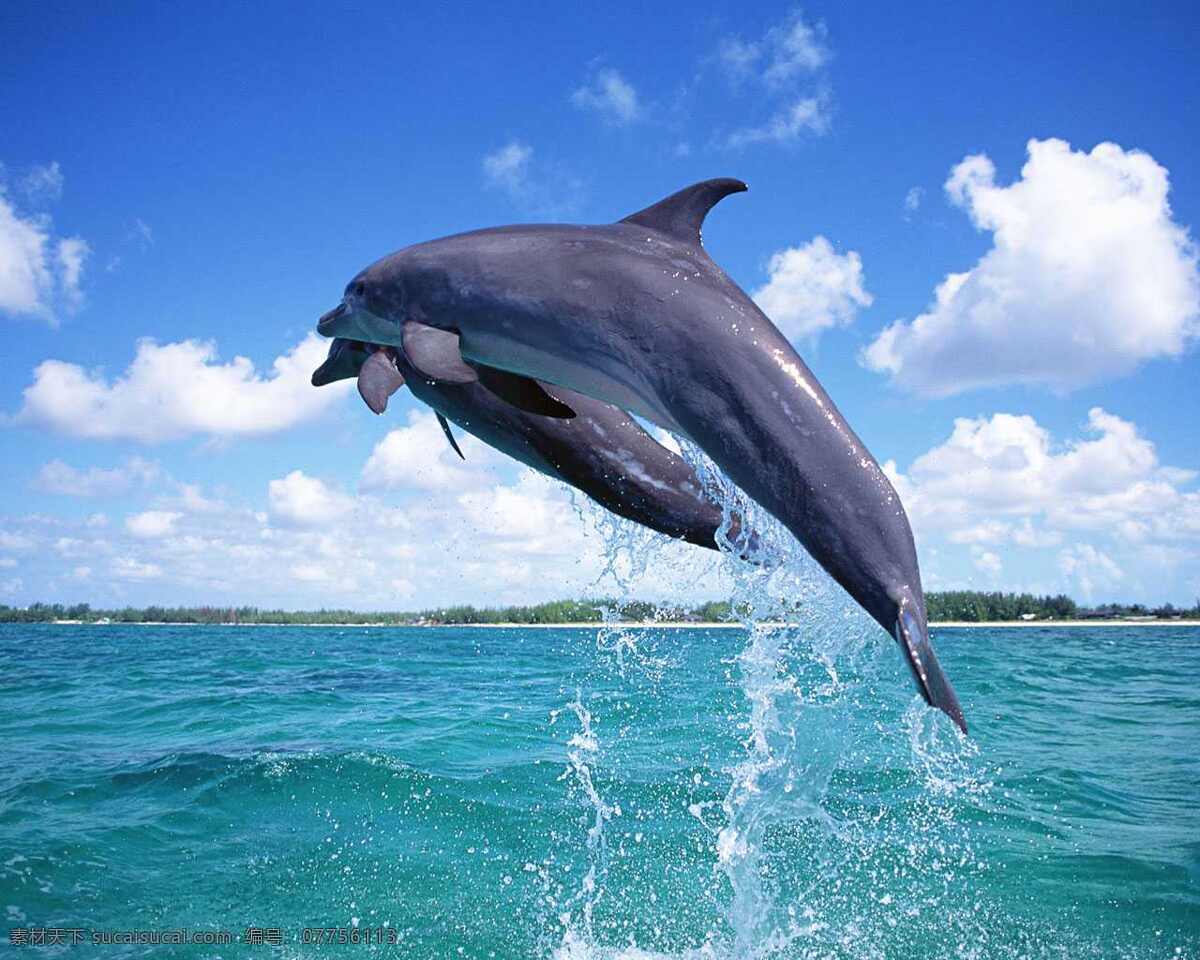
599	450
636	314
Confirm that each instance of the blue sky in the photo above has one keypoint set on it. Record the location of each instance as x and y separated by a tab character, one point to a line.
212	180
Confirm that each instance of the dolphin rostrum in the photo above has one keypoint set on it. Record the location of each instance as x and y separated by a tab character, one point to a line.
598	449
635	313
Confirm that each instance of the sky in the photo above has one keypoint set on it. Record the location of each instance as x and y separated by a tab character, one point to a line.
975	223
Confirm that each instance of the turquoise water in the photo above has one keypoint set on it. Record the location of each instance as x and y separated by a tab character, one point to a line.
575	793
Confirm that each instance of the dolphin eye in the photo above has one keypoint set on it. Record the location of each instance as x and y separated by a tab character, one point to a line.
359	289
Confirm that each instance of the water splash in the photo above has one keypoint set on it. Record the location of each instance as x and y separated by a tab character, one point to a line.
807	871
578	915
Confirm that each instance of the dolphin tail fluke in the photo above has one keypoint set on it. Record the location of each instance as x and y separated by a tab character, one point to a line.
931	680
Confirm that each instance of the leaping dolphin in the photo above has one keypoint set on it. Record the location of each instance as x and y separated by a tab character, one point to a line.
636	314
600	450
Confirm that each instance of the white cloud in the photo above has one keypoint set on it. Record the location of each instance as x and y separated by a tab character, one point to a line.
152	523
812	288
417	456
507	168
987	561
59	477
435	532
178	389
1088	276
128	568
1001	484
72	251
43	184
537	187
307	501
75	548
610	95
525	517
15	541
141	233
786	52
192	499
912	199
39	272
1089	568
806	115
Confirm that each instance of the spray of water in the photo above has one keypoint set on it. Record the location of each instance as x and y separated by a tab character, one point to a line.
807	870
577	917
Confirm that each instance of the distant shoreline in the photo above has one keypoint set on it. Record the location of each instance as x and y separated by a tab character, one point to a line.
644	625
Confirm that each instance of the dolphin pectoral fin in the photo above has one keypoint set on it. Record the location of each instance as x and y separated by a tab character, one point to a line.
379	379
681	214
449	435
525	393
436	353
932	682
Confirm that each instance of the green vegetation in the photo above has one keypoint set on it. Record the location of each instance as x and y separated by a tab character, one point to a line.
555	611
966	605
975	607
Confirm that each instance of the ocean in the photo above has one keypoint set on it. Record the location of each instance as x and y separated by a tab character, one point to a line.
584	793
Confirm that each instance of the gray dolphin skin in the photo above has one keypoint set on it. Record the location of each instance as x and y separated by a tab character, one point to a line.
636	314
601	450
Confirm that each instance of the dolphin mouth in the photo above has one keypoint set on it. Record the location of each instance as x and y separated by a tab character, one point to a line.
931	680
326	326
351	321
374	367
345	359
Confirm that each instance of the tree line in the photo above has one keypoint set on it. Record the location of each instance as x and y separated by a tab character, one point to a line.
966	605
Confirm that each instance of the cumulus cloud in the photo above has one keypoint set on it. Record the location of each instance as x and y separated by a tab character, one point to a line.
179	389
15	541
1088	276
811	288
1002	483
129	568
307	501
1089	568
417	456
987	561
152	523
61	478
493	533
40	273
610	95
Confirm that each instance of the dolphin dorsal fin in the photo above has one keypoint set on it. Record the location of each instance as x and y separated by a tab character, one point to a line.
681	214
